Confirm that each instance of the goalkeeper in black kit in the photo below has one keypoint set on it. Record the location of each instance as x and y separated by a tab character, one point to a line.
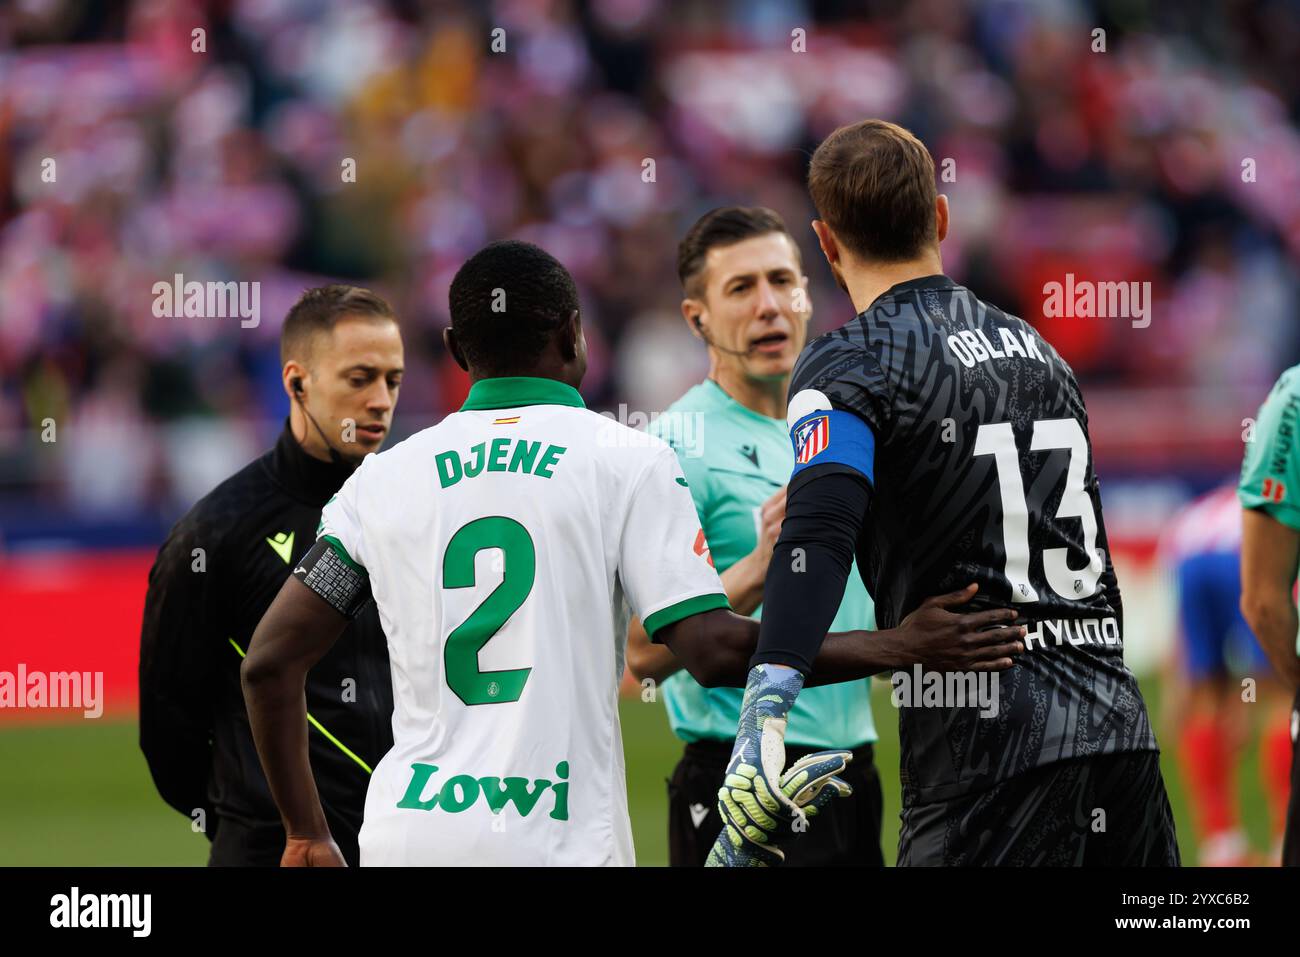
944	444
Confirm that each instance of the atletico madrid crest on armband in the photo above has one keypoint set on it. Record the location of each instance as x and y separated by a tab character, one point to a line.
812	438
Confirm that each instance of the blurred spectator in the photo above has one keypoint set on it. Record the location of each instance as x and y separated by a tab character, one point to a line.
600	131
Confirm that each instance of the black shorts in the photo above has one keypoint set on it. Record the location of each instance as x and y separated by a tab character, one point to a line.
1291	842
1110	810
846	834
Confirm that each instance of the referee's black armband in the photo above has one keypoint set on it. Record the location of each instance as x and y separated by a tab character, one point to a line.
341	583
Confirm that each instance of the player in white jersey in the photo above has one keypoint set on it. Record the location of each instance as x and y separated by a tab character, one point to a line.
525	501
504	548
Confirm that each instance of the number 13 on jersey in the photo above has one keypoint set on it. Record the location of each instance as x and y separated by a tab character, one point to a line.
999	441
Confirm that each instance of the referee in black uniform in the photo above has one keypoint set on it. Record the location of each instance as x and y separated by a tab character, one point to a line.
222	564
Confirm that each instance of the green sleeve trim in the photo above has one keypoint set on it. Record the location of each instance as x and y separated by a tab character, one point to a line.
684	609
342	553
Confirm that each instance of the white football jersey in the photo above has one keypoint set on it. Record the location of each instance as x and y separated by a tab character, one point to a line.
504	547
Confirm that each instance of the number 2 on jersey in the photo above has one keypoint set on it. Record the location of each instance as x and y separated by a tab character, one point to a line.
999	441
519	569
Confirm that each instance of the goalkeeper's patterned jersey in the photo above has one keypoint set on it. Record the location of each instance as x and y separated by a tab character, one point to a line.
504	547
982	473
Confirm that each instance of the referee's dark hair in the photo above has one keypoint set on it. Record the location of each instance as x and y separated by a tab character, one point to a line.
723	226
506	303
319	310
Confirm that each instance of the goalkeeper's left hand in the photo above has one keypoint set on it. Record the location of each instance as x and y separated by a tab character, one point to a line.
761	806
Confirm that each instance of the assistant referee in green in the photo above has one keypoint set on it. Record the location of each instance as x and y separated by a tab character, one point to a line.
1270	555
746	297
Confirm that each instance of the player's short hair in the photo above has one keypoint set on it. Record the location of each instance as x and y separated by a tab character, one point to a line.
724	226
506	302
873	184
319	310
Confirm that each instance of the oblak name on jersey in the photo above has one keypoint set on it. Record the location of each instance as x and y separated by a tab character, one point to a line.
972	346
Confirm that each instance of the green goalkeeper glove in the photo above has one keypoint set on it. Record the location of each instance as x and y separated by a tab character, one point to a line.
757	815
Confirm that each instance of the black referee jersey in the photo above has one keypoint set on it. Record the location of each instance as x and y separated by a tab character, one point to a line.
214	578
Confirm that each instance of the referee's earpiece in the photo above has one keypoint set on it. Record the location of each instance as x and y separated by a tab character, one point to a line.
296	385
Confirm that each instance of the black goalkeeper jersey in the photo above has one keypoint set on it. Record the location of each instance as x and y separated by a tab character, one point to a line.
983	473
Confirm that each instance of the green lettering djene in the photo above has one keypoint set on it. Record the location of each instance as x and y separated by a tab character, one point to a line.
525	455
449	471
472	470
549	458
497	460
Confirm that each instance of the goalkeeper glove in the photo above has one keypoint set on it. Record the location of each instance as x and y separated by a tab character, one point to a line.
757	812
810	783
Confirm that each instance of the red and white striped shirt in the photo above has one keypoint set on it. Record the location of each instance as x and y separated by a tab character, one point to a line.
1210	524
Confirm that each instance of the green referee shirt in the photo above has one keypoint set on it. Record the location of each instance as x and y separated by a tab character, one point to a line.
1270	472
735	459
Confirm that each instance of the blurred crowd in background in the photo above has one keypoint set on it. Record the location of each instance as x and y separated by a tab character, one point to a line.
1171	157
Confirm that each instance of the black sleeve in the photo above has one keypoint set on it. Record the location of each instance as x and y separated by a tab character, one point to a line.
179	640
824	511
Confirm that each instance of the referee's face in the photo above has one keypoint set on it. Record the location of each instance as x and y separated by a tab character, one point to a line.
756	305
355	377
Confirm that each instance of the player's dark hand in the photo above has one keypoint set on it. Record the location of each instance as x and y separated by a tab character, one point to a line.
940	639
771	517
312	852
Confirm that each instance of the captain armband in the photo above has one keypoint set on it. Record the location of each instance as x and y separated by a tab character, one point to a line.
342	583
